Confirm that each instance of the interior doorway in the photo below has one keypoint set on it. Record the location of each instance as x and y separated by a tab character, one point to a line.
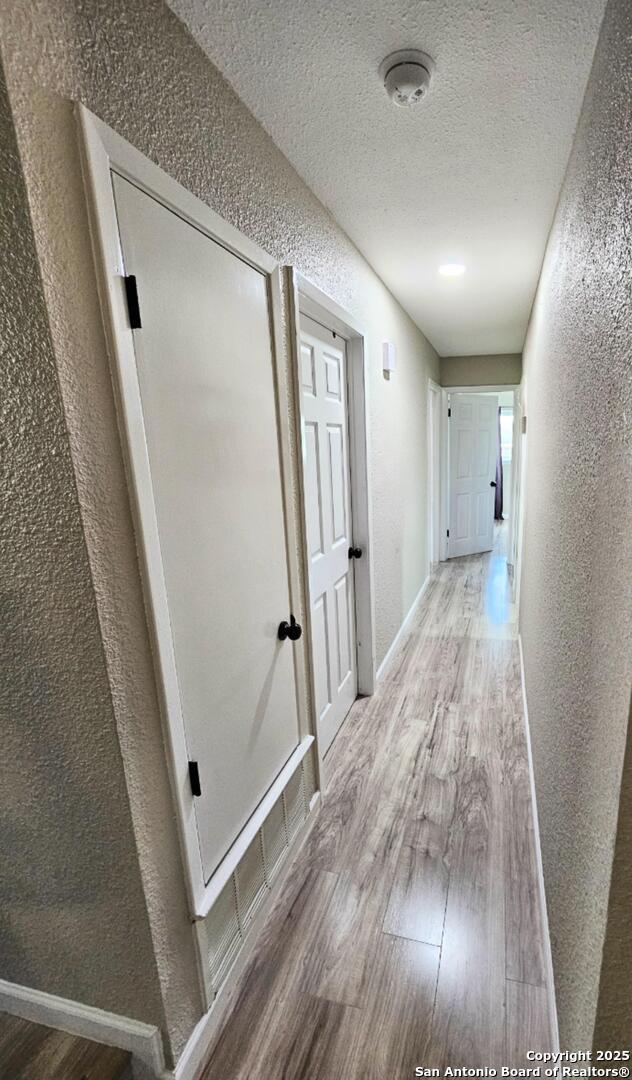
473	449
179	285
331	395
332	550
480	461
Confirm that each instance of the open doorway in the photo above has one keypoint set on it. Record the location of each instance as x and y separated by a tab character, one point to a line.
473	490
505	455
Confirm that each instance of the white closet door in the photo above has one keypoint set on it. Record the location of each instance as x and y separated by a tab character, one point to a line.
328	511
205	372
473	450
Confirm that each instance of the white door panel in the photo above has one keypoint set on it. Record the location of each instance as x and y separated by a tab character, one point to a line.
473	449
328	515
206	379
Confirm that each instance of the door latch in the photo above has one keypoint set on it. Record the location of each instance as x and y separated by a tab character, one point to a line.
290	630
194	778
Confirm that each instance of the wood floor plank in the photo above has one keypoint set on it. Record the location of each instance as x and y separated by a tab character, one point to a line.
524	924
528	1023
31	1051
341	964
389	1037
468	1025
311	1042
350	777
255	1015
417	900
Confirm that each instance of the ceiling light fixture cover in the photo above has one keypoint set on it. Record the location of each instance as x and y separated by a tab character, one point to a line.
406	76
452	269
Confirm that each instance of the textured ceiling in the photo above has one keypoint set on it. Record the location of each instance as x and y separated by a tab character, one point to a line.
470	174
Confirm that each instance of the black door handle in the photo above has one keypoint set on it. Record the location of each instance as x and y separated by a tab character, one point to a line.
290	630
492	483
355	553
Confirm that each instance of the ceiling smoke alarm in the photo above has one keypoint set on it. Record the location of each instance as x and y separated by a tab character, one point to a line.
406	76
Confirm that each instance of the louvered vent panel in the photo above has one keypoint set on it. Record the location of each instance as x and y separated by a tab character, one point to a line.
232	913
251	882
294	802
309	775
274	841
223	934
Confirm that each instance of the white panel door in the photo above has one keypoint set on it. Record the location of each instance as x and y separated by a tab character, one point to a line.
323	380
473	449
206	380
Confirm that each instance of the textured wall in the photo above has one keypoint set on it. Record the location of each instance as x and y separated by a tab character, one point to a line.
134	65
498	370
69	881
614	1010
576	608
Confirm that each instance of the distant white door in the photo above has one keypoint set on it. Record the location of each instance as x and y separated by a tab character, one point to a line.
206	378
473	449
329	536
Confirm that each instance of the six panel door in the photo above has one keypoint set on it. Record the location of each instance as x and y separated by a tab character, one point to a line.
328	513
473	451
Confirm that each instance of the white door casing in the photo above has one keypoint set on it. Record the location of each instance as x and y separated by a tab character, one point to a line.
434	473
325	435
206	380
473	427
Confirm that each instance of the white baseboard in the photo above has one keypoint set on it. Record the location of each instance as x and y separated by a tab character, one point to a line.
143	1041
400	633
199	1042
548	957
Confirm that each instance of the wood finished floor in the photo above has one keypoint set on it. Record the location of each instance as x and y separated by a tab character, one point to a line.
33	1052
408	932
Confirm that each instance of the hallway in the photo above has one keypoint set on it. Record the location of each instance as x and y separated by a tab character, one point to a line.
408	933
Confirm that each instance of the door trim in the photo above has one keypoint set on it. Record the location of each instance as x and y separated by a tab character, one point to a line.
307	299
434	485
496	388
102	151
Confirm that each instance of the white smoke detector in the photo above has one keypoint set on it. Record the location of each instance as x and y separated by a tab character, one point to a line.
406	76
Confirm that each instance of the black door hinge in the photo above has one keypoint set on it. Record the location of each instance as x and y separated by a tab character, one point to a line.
447	532
133	307
449	413
194	777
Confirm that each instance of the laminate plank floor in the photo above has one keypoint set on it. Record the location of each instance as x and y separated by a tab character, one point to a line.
409	931
31	1051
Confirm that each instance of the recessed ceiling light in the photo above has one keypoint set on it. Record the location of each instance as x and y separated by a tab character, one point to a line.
452	269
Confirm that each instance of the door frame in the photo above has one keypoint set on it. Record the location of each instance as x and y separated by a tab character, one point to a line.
307	299
434	420
496	388
519	465
102	150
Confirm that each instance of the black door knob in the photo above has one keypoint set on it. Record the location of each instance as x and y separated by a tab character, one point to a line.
355	553
290	630
492	483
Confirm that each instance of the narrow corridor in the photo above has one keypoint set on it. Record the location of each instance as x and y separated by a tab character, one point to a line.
408	933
